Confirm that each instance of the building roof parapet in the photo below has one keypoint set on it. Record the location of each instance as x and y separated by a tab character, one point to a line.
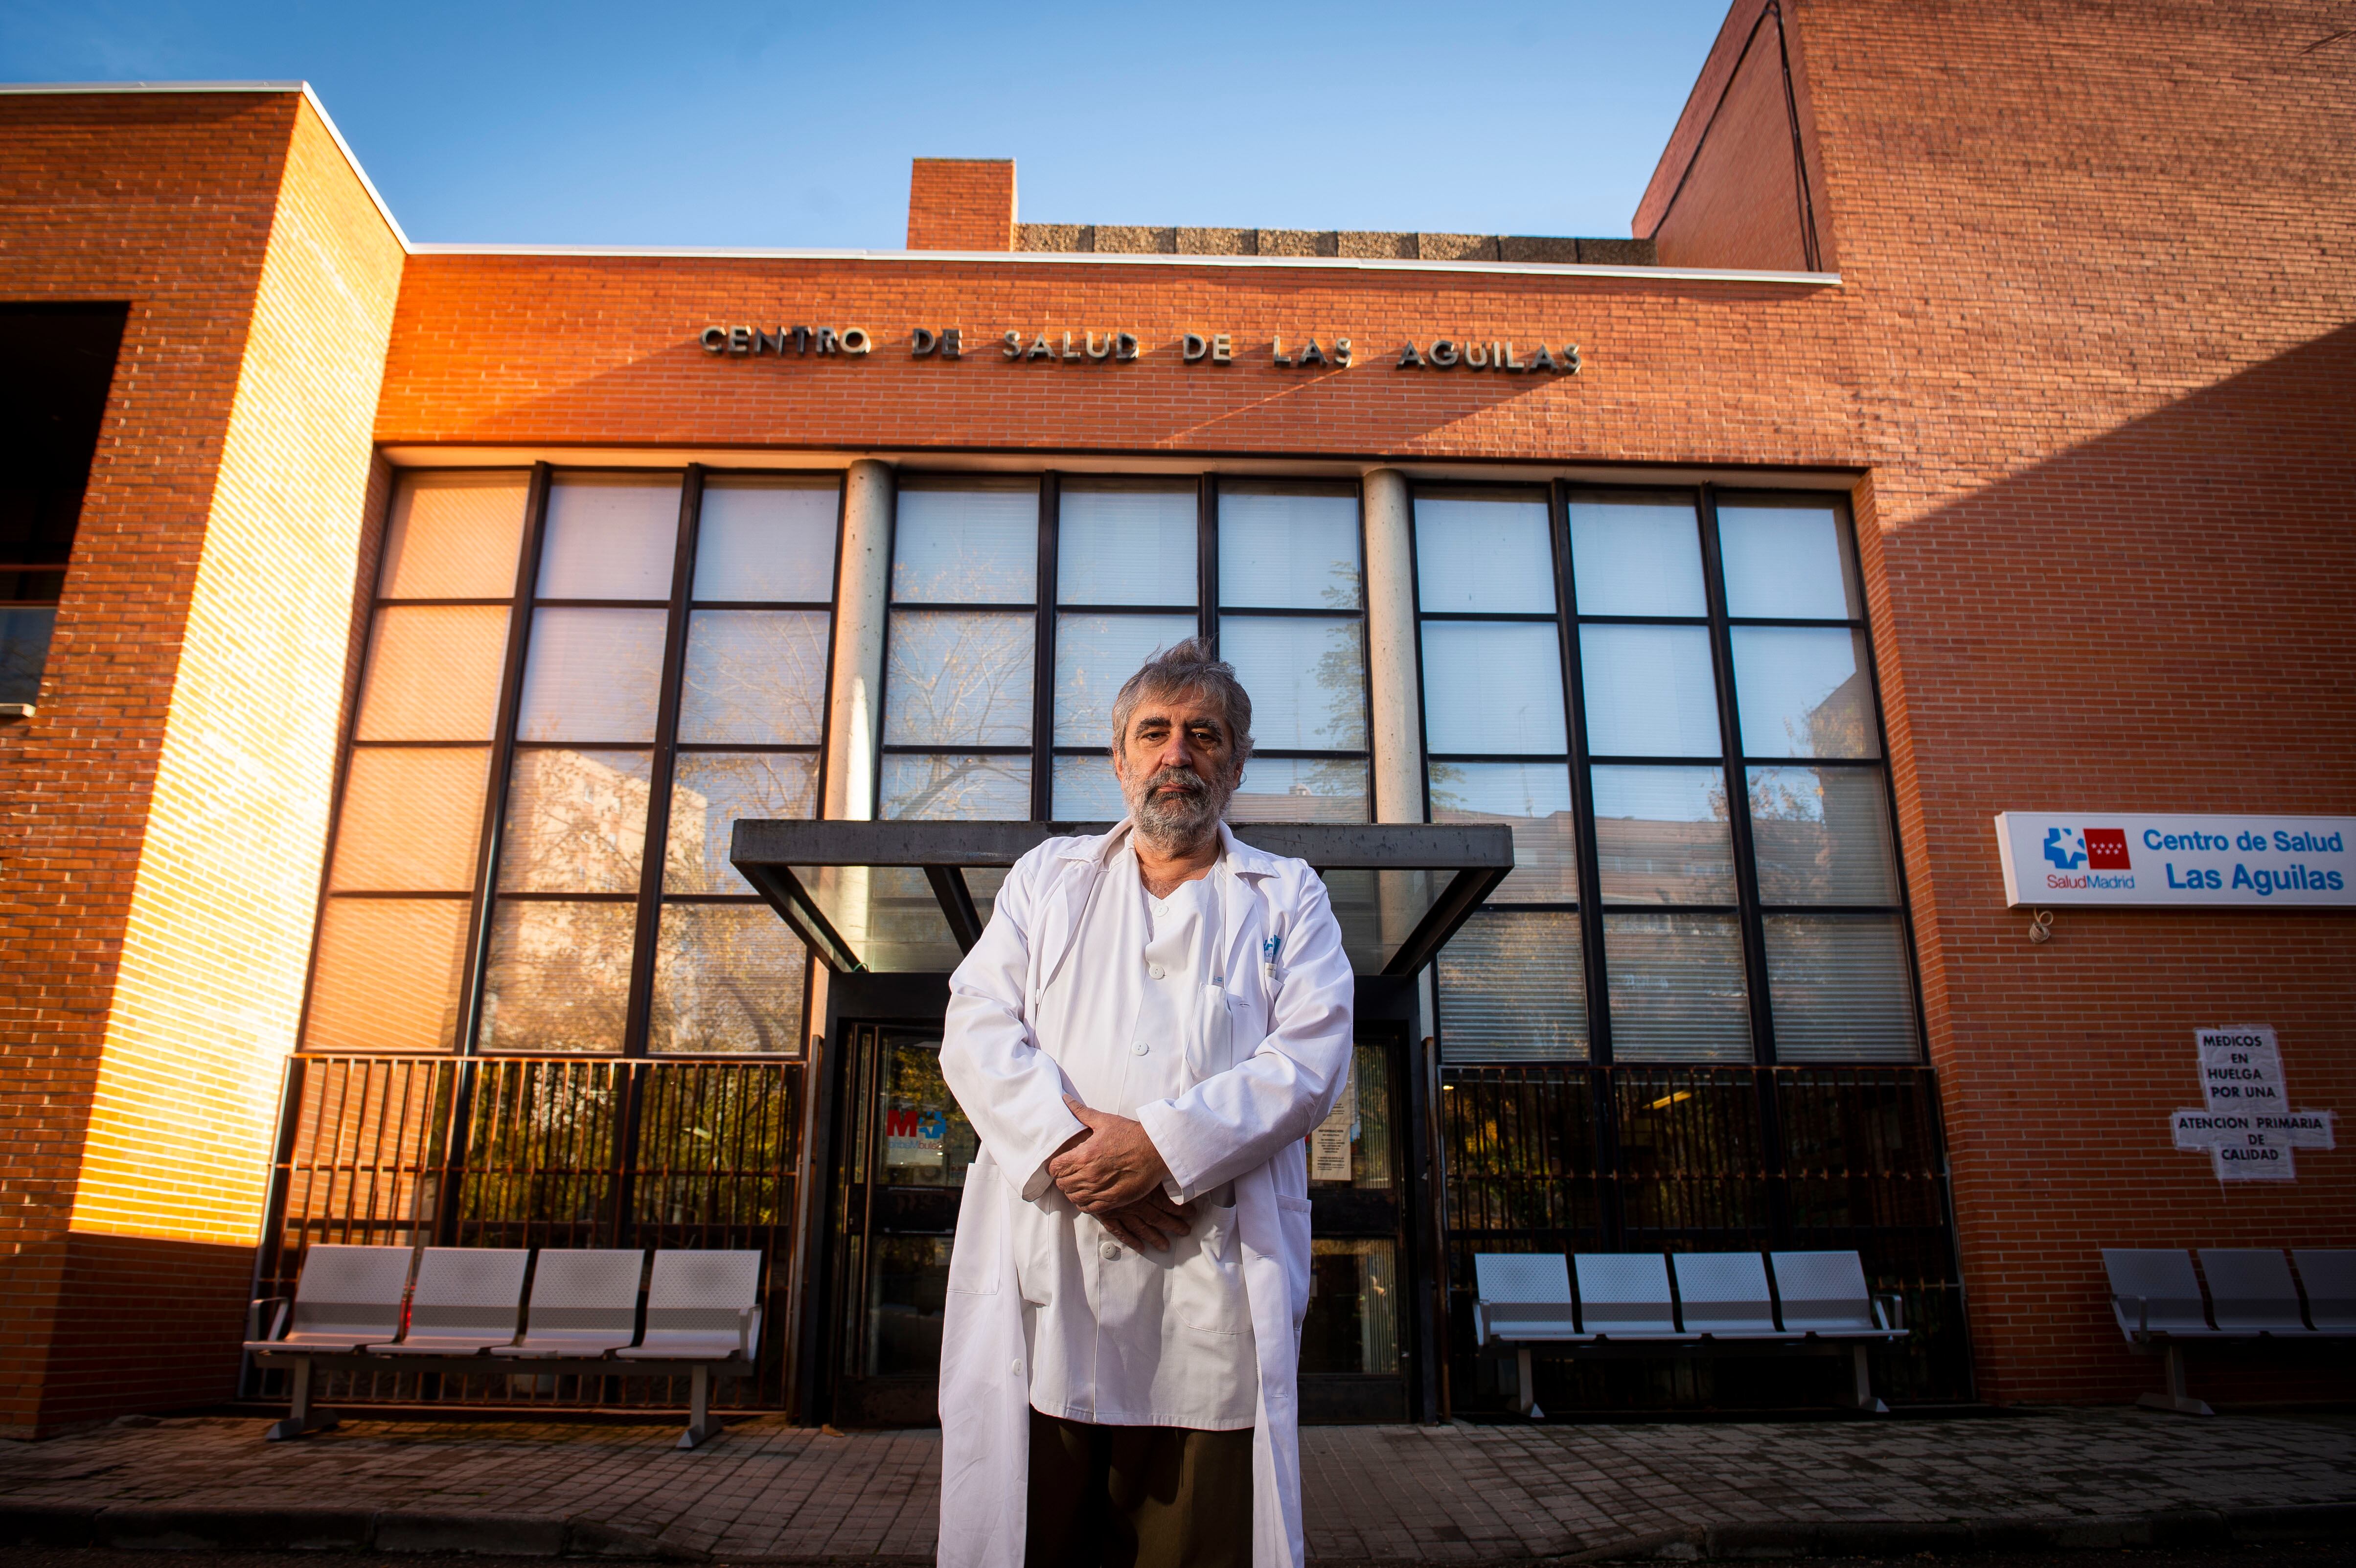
1341	244
1148	259
67	88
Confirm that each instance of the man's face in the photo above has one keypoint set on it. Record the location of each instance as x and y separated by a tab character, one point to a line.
1177	767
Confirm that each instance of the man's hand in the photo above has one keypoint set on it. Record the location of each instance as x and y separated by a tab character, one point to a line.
1152	1222
1114	1167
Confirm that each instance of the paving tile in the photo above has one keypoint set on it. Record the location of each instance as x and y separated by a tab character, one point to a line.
1439	1495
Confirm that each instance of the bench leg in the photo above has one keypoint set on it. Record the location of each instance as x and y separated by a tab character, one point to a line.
702	1425
1861	1379
1526	1394
301	1419
2178	1398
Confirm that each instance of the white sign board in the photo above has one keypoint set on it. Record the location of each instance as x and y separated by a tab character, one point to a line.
2055	858
2248	1127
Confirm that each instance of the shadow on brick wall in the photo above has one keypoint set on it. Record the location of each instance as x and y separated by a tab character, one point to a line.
2156	619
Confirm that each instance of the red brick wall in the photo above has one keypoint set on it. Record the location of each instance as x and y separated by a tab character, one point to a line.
2092	352
164	811
2102	318
961	204
2093	355
1732	197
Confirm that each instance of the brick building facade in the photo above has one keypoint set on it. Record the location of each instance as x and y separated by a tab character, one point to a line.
2057	300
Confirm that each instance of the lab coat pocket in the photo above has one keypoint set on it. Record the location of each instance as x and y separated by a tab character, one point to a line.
975	1260
1205	1277
1293	1219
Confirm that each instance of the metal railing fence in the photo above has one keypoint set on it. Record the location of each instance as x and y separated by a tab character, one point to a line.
1571	1157
539	1152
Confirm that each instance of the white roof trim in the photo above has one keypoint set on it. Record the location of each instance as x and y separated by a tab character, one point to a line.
1142	259
34	89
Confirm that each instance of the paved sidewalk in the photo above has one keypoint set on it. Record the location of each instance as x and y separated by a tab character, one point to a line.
1397	1494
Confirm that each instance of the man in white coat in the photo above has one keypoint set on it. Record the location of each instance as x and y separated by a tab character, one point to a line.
1150	1025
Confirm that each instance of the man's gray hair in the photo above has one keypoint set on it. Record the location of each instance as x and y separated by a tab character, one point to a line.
1187	669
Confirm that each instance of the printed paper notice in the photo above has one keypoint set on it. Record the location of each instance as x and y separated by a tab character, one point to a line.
2247	1126
1329	1146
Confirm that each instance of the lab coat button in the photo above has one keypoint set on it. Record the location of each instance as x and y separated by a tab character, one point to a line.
1155	970
1017	1368
1111	1250
1138	1048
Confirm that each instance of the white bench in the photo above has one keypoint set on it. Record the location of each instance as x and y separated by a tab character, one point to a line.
467	1314
1721	1305
2160	1306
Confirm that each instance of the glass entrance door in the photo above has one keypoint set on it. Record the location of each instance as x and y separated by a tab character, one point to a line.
904	1155
903	1151
1354	1341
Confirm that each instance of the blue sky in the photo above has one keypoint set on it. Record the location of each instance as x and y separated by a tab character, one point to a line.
700	122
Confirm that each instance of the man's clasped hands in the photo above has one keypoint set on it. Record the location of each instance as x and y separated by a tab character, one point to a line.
1113	1171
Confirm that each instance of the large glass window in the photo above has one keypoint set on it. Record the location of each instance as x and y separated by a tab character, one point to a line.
1127	562
1720	758
671	679
1018	608
391	962
1497	749
961	651
728	974
1840	980
1292	622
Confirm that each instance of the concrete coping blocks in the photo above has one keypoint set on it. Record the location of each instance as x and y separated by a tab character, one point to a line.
1136	239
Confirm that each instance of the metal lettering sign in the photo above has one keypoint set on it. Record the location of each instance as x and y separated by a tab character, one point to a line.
2095	857
1314	351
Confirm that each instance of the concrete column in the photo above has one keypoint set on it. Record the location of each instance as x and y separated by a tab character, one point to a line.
855	703
1394	691
1392	677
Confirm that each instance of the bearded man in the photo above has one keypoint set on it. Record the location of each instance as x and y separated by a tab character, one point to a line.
1152	1022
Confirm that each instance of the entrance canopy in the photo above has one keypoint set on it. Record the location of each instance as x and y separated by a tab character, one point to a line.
901	897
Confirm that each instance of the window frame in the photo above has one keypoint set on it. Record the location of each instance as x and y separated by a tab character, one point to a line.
1048	608
1733	761
1215	609
663	750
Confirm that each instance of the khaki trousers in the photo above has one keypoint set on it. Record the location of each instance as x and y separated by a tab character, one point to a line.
1138	1496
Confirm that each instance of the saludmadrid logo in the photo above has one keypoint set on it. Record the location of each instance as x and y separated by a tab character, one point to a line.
2088	857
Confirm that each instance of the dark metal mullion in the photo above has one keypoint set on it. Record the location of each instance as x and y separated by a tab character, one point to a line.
487	864
360	745
1523	617
983	607
1302	611
652	859
732	748
1601	1107
1042	671
1777	1177
1366	645
1737	813
803	604
1585	847
1644	620
1206	559
1804	622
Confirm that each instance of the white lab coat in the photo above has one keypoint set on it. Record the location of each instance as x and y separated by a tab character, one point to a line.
1289	1040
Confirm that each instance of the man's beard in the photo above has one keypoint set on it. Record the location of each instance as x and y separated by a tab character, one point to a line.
1176	808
